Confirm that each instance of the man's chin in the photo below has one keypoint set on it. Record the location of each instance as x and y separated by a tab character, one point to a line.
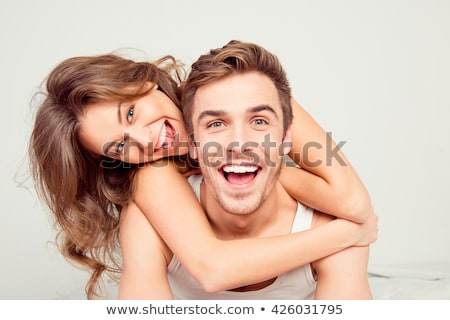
236	208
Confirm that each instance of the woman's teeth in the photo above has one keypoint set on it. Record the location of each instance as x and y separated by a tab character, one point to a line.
162	137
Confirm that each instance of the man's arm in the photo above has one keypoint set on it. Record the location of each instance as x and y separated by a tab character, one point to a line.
145	258
343	275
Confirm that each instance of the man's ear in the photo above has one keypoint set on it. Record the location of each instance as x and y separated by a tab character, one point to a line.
287	142
193	149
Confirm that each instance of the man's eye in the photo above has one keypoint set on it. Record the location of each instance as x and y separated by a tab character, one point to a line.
259	122
130	114
215	124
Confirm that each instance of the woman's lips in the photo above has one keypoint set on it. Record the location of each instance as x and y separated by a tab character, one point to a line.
166	136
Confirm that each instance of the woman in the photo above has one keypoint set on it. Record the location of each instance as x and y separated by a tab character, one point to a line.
104	117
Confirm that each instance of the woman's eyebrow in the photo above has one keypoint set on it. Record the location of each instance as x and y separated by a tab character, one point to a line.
107	148
119	115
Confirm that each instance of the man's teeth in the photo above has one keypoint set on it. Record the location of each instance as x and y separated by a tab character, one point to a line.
240	169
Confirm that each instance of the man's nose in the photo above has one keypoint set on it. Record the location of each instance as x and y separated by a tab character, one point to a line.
241	141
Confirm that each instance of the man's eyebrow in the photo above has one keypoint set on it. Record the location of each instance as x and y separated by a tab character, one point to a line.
262	107
210	113
119	116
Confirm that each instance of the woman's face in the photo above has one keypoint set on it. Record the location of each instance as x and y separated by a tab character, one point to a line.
143	130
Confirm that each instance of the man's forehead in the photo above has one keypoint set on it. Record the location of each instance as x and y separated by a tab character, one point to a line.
241	92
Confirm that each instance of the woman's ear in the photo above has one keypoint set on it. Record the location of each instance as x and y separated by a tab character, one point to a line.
151	85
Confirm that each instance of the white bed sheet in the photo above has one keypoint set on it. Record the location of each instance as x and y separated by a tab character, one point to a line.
420	281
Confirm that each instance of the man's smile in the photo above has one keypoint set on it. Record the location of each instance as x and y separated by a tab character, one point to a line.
242	174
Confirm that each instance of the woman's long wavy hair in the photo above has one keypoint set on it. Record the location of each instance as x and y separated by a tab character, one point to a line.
85	196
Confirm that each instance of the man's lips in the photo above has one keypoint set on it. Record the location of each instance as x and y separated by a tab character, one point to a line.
239	174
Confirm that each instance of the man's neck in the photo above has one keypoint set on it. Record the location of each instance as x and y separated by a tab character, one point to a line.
273	217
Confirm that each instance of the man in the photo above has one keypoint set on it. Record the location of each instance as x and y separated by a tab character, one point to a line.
236	104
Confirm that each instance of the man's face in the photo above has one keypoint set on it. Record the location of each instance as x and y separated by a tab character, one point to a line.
238	130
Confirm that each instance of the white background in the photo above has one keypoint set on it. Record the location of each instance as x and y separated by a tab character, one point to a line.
374	73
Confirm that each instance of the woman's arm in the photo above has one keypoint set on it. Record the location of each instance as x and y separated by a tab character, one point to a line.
325	174
171	206
144	258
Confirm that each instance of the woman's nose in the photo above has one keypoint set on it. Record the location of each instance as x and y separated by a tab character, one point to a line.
142	137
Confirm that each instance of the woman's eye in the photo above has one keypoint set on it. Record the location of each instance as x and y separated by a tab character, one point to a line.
120	147
130	114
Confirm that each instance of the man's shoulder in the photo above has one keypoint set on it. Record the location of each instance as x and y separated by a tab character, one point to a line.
303	207
320	218
195	181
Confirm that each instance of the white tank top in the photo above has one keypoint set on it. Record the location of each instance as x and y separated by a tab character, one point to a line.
296	284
